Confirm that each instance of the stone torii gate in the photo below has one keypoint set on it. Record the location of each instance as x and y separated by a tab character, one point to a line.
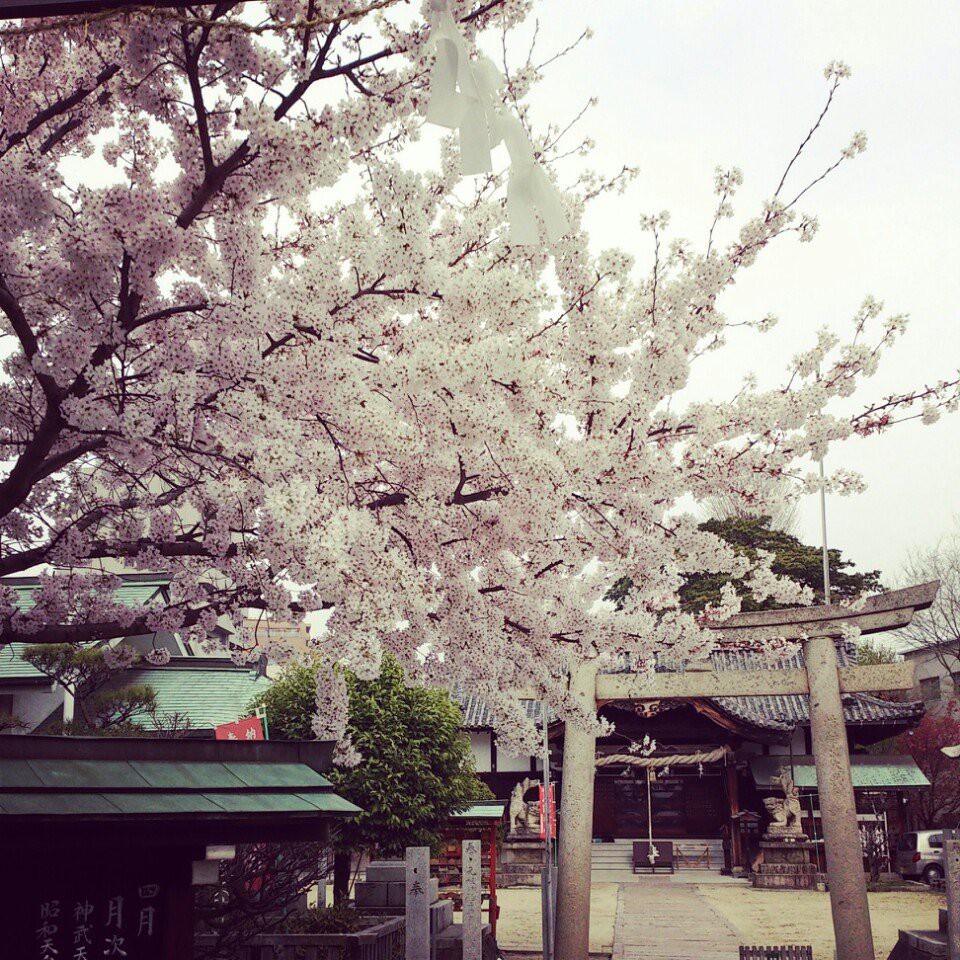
822	679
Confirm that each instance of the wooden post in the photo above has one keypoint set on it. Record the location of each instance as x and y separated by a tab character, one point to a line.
951	864
572	930
494	909
736	838
418	904
472	920
838	811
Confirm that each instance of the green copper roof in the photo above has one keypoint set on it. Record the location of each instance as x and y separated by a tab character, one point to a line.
70	779
135	591
484	810
38	787
871	772
208	692
14	668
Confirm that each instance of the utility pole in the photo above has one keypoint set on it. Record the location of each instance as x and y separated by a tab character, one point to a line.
838	809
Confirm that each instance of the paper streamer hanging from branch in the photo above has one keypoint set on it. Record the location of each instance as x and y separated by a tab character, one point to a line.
464	96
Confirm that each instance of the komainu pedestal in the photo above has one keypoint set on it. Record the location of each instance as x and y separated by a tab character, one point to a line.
785	848
786	865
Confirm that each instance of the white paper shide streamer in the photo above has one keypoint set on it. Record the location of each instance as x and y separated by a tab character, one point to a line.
464	96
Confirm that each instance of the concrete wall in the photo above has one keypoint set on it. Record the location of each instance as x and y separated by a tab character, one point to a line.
33	704
480	748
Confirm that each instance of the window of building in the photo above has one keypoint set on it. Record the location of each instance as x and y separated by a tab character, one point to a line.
6	703
955	677
930	688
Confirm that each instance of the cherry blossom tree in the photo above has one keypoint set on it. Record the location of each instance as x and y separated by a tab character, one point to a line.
271	358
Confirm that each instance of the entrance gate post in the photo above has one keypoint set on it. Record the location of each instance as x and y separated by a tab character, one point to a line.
572	936
838	811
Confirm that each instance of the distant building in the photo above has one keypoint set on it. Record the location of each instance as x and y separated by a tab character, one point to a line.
204	689
937	673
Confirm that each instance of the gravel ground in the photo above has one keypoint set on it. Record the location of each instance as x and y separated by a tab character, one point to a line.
519	925
768	917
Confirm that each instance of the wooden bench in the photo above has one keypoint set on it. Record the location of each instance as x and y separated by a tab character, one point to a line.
662	859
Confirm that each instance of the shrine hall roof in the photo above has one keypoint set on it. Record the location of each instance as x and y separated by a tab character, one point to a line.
776	714
783	713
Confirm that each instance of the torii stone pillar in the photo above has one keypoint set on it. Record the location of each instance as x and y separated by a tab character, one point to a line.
572	936
838	808
822	680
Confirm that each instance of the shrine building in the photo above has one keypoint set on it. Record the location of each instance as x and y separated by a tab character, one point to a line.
703	786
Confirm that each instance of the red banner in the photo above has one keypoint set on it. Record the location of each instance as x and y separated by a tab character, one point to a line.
250	728
553	814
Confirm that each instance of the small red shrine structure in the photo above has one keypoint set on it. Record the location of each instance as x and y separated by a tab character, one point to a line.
480	821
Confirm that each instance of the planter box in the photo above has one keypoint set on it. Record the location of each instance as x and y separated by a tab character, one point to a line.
385	941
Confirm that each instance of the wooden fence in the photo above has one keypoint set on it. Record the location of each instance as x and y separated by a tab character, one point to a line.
385	941
776	953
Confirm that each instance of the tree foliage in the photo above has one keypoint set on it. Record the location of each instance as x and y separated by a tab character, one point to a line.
416	766
938	806
937	629
84	672
249	346
791	558
102	706
259	889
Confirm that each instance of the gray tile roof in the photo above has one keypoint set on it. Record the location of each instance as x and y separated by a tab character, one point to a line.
786	712
773	713
477	715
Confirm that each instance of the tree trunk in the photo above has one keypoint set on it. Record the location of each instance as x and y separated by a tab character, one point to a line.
341	878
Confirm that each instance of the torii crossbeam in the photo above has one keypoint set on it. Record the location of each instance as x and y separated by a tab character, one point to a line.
822	679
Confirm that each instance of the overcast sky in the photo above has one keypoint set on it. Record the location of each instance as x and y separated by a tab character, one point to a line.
685	85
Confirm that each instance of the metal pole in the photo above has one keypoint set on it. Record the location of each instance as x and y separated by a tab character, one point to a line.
649	808
548	880
823	534
572	937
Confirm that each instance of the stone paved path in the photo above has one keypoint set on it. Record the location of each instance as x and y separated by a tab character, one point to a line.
663	920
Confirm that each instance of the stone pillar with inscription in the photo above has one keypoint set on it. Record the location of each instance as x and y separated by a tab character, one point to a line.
418	904
470	891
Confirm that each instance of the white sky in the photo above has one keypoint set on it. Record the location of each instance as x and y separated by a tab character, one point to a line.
685	85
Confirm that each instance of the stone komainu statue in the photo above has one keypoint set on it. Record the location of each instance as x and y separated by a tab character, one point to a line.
519	809
784	813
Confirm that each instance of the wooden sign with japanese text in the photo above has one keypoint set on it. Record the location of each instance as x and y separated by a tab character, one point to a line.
101	919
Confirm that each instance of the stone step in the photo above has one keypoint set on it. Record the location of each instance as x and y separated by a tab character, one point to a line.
441	916
689	855
394	871
449	942
916	944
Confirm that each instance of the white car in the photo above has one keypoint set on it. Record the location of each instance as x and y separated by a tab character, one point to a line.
920	855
